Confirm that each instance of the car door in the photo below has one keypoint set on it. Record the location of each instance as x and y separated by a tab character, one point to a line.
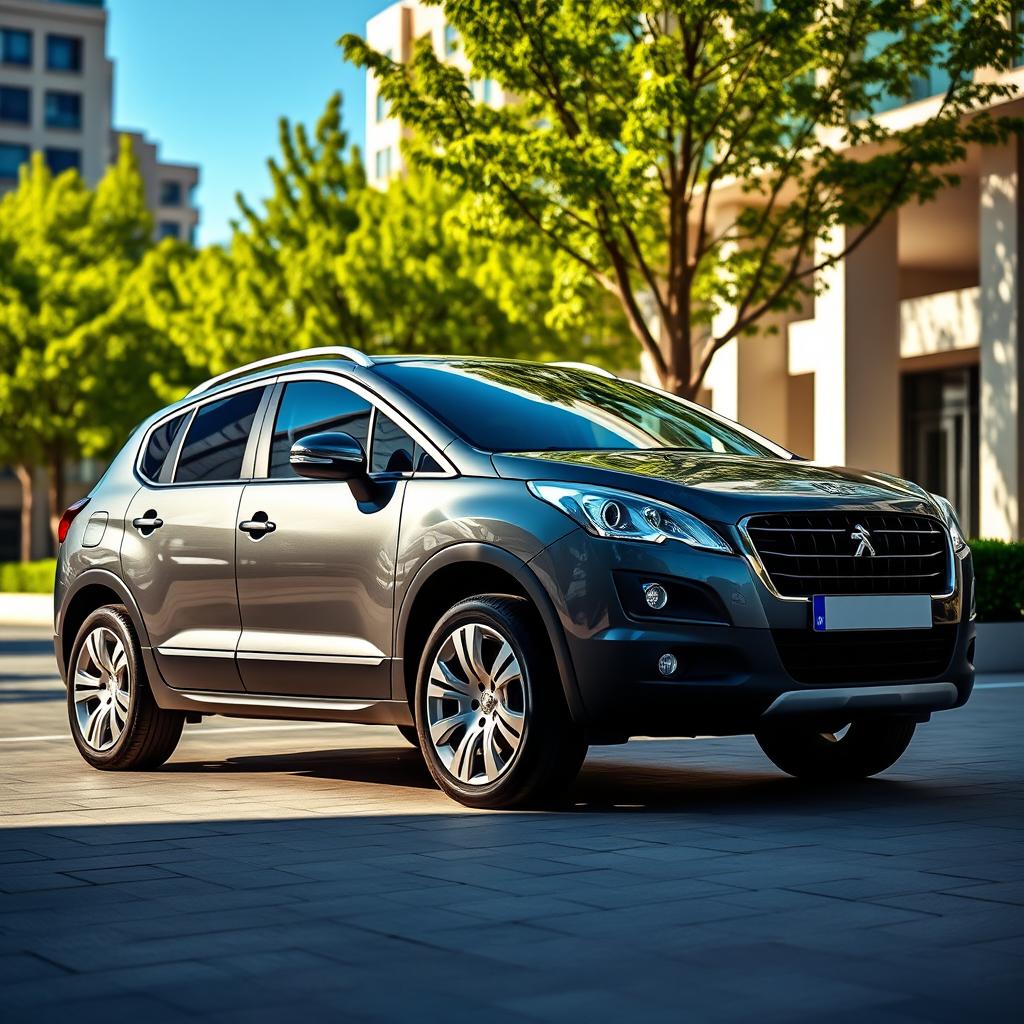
316	589
178	555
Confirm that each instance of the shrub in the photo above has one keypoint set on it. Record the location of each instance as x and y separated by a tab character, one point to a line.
28	577
999	571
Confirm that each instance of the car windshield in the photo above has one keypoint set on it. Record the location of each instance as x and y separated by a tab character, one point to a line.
525	407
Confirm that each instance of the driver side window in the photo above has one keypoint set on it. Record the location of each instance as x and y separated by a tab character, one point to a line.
312	407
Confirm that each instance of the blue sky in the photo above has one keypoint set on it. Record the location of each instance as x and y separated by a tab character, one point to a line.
209	79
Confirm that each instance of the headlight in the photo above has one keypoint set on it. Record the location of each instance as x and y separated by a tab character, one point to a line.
949	515
623	516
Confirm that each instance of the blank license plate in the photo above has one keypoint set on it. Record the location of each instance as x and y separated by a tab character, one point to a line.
888	611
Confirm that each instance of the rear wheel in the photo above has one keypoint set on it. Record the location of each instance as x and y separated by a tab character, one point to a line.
115	722
492	719
854	751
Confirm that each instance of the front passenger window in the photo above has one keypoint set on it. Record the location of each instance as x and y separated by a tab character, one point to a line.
313	407
215	443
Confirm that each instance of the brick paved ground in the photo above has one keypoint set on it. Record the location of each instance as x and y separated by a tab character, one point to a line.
305	871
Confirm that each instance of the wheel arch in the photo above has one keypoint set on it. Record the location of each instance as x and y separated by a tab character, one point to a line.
93	589
462	570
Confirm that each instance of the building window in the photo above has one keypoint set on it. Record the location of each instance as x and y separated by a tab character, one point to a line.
382	108
451	40
60	160
63	53
12	156
16	47
487	89
63	110
383	162
168	229
14	104
170	193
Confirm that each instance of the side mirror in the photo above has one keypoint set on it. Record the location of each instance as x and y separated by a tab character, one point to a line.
328	456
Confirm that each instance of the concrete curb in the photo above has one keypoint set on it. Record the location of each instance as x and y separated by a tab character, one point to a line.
1000	647
26	610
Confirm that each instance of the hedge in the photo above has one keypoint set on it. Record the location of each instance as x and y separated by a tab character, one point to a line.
999	574
998	566
28	577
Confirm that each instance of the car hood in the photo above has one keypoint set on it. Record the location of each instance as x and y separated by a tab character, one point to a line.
724	488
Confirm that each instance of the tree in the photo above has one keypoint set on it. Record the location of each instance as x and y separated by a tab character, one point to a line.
631	113
70	384
328	260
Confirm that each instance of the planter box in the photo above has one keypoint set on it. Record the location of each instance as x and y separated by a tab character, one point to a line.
1000	647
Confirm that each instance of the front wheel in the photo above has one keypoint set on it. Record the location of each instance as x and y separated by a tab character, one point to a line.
491	715
855	751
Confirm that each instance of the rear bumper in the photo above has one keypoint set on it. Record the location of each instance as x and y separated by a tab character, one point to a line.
730	676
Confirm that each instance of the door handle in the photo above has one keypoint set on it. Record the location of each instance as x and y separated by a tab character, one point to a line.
147	523
258	526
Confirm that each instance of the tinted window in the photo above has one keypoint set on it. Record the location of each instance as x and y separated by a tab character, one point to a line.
170	193
527	407
312	407
63	110
394	451
14	104
160	443
63	53
60	160
215	444
15	46
12	156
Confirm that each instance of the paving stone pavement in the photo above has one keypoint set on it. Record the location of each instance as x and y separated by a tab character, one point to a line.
270	870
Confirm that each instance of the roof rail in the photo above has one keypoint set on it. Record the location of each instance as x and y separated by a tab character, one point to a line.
324	352
589	367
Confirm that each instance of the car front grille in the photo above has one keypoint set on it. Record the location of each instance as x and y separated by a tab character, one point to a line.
870	656
807	553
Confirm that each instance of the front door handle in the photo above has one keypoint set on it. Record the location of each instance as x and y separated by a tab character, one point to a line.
258	526
147	523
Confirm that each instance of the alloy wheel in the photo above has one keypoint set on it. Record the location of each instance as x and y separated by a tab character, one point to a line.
102	687
478	701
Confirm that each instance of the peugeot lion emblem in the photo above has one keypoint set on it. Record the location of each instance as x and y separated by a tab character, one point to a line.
865	547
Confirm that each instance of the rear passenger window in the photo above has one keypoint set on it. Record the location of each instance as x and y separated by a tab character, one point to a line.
161	441
215	444
314	407
393	449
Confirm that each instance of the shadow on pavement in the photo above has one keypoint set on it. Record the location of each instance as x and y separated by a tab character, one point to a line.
604	784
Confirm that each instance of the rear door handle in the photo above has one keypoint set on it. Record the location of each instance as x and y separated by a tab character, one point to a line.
258	526
148	523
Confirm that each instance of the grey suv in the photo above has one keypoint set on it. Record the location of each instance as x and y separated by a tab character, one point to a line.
508	561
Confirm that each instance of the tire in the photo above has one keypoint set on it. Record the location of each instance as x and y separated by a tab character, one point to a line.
410	734
115	723
866	748
502	735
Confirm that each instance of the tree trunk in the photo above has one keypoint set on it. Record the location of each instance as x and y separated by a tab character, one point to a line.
24	475
56	491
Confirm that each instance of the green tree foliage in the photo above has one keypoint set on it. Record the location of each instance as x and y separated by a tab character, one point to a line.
71	384
328	260
631	113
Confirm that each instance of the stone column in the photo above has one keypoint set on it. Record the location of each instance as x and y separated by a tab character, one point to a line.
1001	449
857	355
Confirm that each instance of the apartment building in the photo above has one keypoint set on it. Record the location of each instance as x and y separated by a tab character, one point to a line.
395	31
910	361
56	97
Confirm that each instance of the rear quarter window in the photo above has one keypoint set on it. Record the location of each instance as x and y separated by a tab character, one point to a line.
153	464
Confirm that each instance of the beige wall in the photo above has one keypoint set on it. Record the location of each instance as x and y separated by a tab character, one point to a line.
154	173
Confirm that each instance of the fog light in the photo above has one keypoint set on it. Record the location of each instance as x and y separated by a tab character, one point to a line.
667	664
655	595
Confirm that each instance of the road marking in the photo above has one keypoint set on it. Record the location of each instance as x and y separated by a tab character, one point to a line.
205	731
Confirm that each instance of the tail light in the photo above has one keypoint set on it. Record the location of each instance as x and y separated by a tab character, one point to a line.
69	517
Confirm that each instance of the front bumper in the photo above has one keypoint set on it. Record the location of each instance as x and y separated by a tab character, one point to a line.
731	676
